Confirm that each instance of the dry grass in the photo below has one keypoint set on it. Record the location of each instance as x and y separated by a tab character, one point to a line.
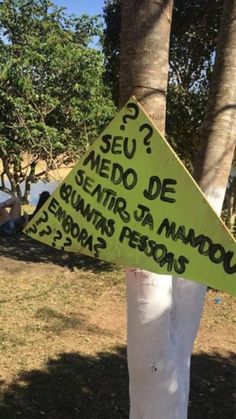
63	338
46	310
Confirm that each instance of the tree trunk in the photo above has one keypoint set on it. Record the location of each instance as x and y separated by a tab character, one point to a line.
6	169
164	315
28	181
145	32
212	170
213	164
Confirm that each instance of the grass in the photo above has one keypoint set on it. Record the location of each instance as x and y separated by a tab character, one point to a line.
63	340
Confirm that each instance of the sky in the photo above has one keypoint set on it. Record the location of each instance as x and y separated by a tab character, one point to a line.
78	7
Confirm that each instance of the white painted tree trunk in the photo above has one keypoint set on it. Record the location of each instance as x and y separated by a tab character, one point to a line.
163	320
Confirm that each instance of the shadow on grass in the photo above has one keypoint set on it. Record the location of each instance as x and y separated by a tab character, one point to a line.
72	386
25	249
213	387
81	387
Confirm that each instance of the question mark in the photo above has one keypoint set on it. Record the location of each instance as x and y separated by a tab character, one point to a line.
42	219
147	137
58	236
67	243
31	230
131	106
45	232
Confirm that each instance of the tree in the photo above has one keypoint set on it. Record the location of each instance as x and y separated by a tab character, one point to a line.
111	45
145	30
193	37
229	206
194	30
212	167
164	314
145	40
53	100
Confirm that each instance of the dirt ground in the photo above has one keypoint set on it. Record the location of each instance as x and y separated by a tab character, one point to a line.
63	340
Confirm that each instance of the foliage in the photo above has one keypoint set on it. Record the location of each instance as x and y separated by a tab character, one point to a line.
53	99
194	30
111	45
229	205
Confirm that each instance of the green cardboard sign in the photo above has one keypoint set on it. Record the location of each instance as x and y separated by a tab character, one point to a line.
130	201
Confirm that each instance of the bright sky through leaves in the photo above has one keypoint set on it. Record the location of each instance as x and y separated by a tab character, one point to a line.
93	7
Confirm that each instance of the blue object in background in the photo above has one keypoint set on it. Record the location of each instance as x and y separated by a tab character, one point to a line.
36	189
218	300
